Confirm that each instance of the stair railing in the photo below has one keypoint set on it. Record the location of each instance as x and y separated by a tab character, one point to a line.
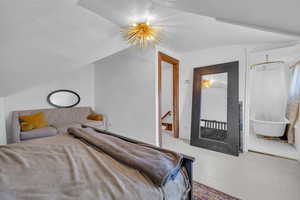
166	115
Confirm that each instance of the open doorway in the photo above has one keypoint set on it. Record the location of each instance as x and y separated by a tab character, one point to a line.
168	95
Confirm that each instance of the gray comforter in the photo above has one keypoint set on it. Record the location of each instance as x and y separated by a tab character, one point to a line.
64	168
158	164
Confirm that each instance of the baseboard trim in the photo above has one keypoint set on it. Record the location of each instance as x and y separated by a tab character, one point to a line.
273	155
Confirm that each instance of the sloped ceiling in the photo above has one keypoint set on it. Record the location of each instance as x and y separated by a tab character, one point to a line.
41	39
275	15
183	31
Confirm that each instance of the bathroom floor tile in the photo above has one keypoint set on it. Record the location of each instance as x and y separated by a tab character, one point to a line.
272	147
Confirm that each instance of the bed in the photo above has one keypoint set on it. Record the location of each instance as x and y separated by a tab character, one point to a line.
67	167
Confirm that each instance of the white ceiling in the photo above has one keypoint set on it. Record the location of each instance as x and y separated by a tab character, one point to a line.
194	32
275	15
41	39
182	31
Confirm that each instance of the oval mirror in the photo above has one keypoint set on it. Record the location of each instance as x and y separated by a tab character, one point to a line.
63	98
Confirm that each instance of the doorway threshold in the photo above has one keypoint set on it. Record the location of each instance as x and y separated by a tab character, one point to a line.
273	155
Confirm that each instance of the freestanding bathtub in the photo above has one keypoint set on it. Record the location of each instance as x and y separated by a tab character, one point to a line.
269	128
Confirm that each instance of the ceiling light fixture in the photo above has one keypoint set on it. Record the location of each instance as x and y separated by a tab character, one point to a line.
206	83
141	34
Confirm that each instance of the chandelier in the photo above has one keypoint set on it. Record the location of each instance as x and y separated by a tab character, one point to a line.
142	34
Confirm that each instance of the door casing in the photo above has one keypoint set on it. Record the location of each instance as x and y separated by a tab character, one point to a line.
173	61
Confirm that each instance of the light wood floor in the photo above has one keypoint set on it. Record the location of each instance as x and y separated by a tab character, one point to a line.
250	176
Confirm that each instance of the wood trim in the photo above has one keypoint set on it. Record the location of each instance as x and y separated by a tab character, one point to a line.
159	100
167	126
176	100
175	63
168	59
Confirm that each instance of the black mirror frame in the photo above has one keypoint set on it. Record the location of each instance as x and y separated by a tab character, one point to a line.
231	145
57	106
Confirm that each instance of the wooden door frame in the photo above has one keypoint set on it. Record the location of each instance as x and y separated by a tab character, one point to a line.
166	58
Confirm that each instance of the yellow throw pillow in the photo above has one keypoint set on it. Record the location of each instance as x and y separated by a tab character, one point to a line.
95	117
26	126
37	120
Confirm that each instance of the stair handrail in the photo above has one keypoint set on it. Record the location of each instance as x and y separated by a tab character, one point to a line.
165	115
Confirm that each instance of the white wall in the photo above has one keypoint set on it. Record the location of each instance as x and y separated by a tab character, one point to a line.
166	88
297	137
224	54
203	58
125	92
80	81
2	123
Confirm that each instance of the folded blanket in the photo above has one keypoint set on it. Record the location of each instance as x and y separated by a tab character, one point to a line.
158	164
